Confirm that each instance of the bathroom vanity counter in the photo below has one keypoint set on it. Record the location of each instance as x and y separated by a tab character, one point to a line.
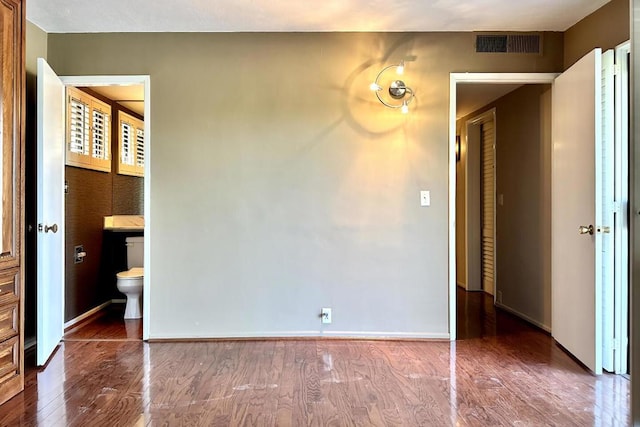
124	223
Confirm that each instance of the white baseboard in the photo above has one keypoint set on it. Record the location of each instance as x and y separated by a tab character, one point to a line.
309	334
524	317
83	316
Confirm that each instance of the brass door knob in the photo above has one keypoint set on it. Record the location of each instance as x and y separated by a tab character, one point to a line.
585	229
53	228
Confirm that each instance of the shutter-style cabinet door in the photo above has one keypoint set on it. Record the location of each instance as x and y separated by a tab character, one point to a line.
12	79
88	131
140	149
78	128
130	145
100	128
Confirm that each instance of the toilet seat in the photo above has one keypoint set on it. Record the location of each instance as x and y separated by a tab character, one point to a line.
134	273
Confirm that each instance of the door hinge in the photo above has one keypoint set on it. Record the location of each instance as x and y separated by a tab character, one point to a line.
615	207
616	69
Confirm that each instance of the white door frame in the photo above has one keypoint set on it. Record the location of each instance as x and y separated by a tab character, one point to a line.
621	298
462	78
88	81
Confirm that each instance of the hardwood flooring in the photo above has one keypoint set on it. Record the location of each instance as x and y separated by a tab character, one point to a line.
107	325
503	372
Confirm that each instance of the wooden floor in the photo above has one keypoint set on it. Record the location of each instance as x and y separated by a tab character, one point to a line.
502	372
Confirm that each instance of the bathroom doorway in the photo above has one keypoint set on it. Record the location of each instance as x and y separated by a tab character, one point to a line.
103	209
116	87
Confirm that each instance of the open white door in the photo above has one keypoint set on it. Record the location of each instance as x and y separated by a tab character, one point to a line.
580	231
50	212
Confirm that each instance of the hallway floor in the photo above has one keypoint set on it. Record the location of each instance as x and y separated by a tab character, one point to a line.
501	372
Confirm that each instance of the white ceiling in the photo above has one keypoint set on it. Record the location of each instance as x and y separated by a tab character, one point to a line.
81	16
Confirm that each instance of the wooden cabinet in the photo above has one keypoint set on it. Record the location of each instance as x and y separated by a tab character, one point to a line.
88	131
130	145
12	81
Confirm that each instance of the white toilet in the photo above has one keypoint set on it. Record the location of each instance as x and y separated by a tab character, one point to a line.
130	281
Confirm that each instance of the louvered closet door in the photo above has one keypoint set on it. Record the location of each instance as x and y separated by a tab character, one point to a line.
488	207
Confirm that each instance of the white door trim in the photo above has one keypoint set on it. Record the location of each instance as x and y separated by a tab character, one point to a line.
88	81
621	290
455	78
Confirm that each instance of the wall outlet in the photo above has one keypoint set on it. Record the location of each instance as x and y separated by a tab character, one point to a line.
325	315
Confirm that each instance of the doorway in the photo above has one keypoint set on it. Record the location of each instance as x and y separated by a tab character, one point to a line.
471	78
144	81
96	248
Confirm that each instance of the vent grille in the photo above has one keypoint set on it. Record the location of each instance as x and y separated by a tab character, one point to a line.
509	43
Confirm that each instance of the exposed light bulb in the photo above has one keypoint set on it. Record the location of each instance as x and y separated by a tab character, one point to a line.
405	107
375	87
400	68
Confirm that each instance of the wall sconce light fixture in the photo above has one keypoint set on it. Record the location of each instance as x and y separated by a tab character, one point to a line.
399	94
457	148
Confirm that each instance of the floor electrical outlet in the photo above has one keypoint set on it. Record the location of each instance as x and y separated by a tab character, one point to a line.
325	315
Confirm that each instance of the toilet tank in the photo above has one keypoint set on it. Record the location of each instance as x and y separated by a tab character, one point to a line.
135	251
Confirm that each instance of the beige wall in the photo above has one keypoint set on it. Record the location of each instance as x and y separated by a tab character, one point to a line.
606	28
523	152
279	185
35	47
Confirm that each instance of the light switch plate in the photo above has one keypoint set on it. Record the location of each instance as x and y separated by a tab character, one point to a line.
425	198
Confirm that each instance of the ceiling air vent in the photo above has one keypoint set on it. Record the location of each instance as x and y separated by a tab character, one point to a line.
509	43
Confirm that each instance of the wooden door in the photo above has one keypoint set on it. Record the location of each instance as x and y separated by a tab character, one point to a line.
12	81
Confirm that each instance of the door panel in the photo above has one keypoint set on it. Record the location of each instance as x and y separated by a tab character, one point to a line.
576	196
50	212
